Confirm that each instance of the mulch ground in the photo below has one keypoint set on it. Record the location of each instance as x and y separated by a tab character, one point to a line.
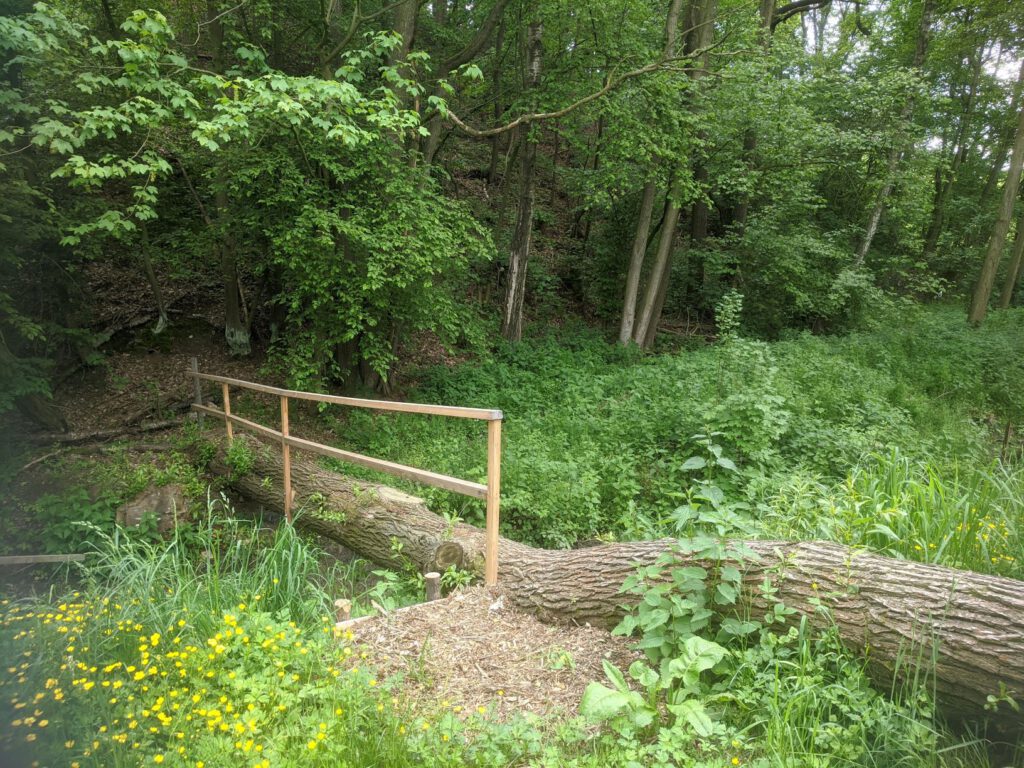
473	650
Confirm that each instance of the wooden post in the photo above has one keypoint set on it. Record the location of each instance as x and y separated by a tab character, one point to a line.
432	582
493	501
227	412
286	460
197	389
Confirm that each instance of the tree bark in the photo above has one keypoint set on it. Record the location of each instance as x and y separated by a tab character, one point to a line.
236	332
636	263
154	284
519	256
983	289
1013	272
967	628
1005	134
657	283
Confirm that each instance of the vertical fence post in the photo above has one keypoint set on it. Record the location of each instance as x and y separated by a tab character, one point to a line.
227	412
286	456
493	501
197	389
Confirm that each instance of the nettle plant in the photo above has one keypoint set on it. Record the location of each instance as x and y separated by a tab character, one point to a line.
684	597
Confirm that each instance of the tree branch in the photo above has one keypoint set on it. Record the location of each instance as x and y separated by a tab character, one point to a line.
611	83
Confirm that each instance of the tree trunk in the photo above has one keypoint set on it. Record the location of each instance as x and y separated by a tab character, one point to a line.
657	283
1005	135
162	320
515	289
643	224
896	154
700	18
236	332
983	290
636	263
894	612
1013	272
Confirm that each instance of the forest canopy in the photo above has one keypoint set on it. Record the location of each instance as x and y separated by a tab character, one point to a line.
344	177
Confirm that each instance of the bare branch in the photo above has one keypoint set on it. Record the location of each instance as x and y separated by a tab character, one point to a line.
611	83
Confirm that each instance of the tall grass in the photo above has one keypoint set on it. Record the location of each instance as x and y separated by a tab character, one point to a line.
967	517
209	567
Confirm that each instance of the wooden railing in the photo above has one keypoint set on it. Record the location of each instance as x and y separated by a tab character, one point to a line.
490	492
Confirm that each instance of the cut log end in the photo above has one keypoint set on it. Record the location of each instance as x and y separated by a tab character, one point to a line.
448	554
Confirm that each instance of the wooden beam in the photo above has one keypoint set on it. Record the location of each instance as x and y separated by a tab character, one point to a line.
286	460
449	483
35	559
465	487
493	502
227	412
484	414
239	421
198	387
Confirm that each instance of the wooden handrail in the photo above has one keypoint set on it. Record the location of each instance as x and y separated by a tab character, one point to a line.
483	414
491	492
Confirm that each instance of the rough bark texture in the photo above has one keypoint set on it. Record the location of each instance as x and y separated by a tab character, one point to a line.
966	629
657	283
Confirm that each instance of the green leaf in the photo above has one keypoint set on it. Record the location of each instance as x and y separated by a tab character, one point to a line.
694	462
693	713
600	703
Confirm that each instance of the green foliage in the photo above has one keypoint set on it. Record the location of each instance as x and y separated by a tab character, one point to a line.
240	458
72	521
597	439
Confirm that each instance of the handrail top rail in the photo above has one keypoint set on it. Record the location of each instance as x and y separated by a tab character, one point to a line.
484	414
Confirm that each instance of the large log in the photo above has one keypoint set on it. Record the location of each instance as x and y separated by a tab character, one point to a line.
967	628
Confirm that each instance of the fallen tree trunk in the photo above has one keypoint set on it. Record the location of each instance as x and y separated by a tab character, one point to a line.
966	628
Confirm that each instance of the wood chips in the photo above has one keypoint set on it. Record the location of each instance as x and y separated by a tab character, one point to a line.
472	650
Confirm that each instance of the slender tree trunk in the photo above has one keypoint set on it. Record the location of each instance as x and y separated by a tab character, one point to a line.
1002	149
405	25
147	262
440	8
965	630
1013	273
515	293
656	284
700	18
820	25
643	224
896	154
236	332
983	289
739	216
636	263
499	109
